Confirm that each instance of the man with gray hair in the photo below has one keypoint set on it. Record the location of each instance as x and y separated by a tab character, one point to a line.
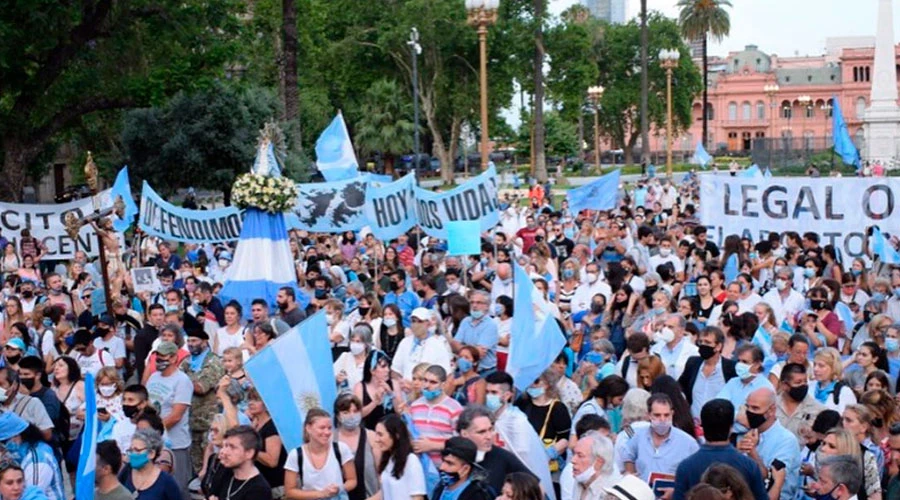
480	331
593	466
672	346
839	478
784	300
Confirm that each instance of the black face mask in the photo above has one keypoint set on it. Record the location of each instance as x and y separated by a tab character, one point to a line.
14	358
798	394
596	308
28	383
395	286
27	294
878	422
817	304
814	445
706	351
421	293
755	420
129	411
363	310
867	316
428	269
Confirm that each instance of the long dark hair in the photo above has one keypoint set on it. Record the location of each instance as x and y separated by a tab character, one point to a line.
372	360
74	369
681	409
608	388
399	434
524	485
879	354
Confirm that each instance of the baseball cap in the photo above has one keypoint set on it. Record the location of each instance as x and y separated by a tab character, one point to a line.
17	343
166	348
461	448
422	314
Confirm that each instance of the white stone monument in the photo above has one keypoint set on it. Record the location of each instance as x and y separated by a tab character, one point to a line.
882	118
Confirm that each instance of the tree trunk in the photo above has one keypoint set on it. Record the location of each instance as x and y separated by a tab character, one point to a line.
627	150
289	67
17	155
540	161
645	88
705	95
581	134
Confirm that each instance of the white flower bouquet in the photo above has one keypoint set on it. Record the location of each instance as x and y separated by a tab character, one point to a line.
270	194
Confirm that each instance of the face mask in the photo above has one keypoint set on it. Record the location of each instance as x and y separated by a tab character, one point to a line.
390	322
817	305
892	345
798	393
855	272
421	294
27	294
223	263
665	335
476	314
827	496
47	322
432	395
357	348
321	294
464	365
706	351
781	284
351	422
585	475
535	392
129	411
428	269
743	371
568	273
329	319
448	479
496	309
453	287
808	272
171	308
493	402
28	383
14	359
592	277
755	420
163	365
661	428
195	350
878	422
394	286
138	460
363	310
665	252
107	390
596	308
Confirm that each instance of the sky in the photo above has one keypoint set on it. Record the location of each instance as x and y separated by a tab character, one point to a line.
783	27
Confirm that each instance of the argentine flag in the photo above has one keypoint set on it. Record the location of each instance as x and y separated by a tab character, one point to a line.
87	459
294	374
883	248
334	152
701	157
122	187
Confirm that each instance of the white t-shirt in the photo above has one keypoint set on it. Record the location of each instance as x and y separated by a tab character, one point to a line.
411	482
318	479
93	363
165	393
434	350
115	347
226	340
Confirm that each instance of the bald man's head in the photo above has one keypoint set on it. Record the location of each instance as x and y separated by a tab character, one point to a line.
504	271
760	409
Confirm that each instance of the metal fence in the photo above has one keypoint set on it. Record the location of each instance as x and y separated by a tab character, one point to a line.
793	152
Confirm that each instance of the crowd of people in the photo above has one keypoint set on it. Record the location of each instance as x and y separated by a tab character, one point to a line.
676	382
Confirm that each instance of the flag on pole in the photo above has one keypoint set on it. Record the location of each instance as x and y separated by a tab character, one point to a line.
87	459
731	268
122	187
883	248
752	171
533	346
843	144
334	152
294	374
600	194
701	157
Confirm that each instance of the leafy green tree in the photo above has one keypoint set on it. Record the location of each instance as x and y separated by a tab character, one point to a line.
619	74
386	125
704	19
204	139
645	86
61	61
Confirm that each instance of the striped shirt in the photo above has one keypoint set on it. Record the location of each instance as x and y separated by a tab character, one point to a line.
436	422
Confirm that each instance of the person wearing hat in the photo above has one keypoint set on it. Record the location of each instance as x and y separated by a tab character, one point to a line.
459	480
171	390
13	352
25	443
630	488
421	346
205	371
89	358
107	340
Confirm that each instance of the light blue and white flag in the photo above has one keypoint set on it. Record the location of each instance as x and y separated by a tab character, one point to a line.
331	207
751	171
381	178
122	187
883	248
731	269
843	144
334	152
87	458
533	345
391	208
293	375
463	237
600	194
164	220
266	163
701	157
474	200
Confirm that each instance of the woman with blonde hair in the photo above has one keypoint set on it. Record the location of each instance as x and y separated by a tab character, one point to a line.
649	369
211	464
842	442
828	387
12	314
858	420
569	281
325	469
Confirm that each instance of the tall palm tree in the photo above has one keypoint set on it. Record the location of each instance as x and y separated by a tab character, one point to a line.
704	18
645	91
385	124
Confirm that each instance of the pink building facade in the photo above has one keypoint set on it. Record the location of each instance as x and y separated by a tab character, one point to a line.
740	110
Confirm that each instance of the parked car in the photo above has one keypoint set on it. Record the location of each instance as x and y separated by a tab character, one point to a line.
75	192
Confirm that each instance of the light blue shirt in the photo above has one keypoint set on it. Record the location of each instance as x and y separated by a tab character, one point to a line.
649	459
736	390
778	443
706	388
483	334
406	301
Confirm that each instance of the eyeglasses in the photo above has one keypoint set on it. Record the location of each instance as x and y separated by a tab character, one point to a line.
135	450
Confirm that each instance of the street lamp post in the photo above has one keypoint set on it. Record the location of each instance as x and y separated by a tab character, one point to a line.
771	90
826	108
415	50
481	14
668	59
595	93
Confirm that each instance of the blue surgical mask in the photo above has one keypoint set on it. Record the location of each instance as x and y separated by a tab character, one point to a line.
492	402
138	460
535	392
476	314
897	292
808	272
892	345
432	395
568	273
448	479
48	322
14	449
743	371
390	322
464	365
855	272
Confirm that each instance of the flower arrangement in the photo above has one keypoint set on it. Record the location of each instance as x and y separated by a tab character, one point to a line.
270	194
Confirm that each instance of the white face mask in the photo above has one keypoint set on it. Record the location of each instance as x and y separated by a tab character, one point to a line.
357	348
664	252
107	390
592	277
586	475
329	319
453	287
2	395
223	263
665	335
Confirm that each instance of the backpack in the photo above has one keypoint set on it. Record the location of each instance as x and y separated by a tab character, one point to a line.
836	394
337	454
